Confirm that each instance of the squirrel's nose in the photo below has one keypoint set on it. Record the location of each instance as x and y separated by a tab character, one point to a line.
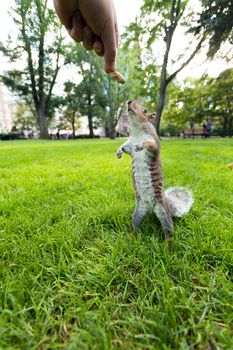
129	106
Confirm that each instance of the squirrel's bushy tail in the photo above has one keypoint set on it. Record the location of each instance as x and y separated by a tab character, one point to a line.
180	200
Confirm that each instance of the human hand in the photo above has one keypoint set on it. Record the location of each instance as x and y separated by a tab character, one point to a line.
94	23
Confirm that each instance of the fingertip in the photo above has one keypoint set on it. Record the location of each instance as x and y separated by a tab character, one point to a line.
110	67
110	60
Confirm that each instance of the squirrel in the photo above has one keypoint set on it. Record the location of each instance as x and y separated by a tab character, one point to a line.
143	146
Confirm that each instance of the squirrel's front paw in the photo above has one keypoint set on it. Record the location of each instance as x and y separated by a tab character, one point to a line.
138	148
119	153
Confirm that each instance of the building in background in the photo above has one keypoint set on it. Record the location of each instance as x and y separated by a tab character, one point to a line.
7	109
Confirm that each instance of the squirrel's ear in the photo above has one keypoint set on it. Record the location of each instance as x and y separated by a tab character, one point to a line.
151	116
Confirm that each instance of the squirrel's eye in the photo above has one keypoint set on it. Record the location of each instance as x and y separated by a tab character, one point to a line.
144	110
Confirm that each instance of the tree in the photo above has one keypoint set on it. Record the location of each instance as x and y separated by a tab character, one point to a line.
220	100
42	57
169	14
159	20
98	96
89	93
196	100
70	115
186	103
216	19
24	119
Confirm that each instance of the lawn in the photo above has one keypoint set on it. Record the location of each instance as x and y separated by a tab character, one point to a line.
73	273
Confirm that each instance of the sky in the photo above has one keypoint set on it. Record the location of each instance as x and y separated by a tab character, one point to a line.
126	12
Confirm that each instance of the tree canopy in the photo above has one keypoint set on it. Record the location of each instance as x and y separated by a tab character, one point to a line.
216	19
38	57
199	99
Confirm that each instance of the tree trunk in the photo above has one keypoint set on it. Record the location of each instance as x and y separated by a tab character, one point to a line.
224	129
106	129
112	132
73	131
43	123
175	16
90	126
162	93
163	79
73	126
90	120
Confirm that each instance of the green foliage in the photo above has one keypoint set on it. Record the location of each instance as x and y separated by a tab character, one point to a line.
141	73
219	103
73	273
186	103
162	9
158	22
24	120
171	130
216	19
70	115
158	18
37	50
14	135
87	97
100	97
196	100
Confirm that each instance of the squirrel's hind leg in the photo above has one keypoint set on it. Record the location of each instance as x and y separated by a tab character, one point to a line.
165	218
138	215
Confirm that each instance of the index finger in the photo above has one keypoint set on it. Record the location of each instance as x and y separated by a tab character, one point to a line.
110	46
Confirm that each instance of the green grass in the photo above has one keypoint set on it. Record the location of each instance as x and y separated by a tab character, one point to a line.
74	275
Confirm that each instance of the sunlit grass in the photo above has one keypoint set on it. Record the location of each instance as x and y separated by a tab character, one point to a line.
75	276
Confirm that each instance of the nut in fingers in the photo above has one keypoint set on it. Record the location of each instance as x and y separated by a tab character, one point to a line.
118	77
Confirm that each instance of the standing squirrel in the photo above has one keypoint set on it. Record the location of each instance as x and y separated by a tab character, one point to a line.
144	147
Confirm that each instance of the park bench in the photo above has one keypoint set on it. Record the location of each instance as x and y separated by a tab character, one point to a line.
194	132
